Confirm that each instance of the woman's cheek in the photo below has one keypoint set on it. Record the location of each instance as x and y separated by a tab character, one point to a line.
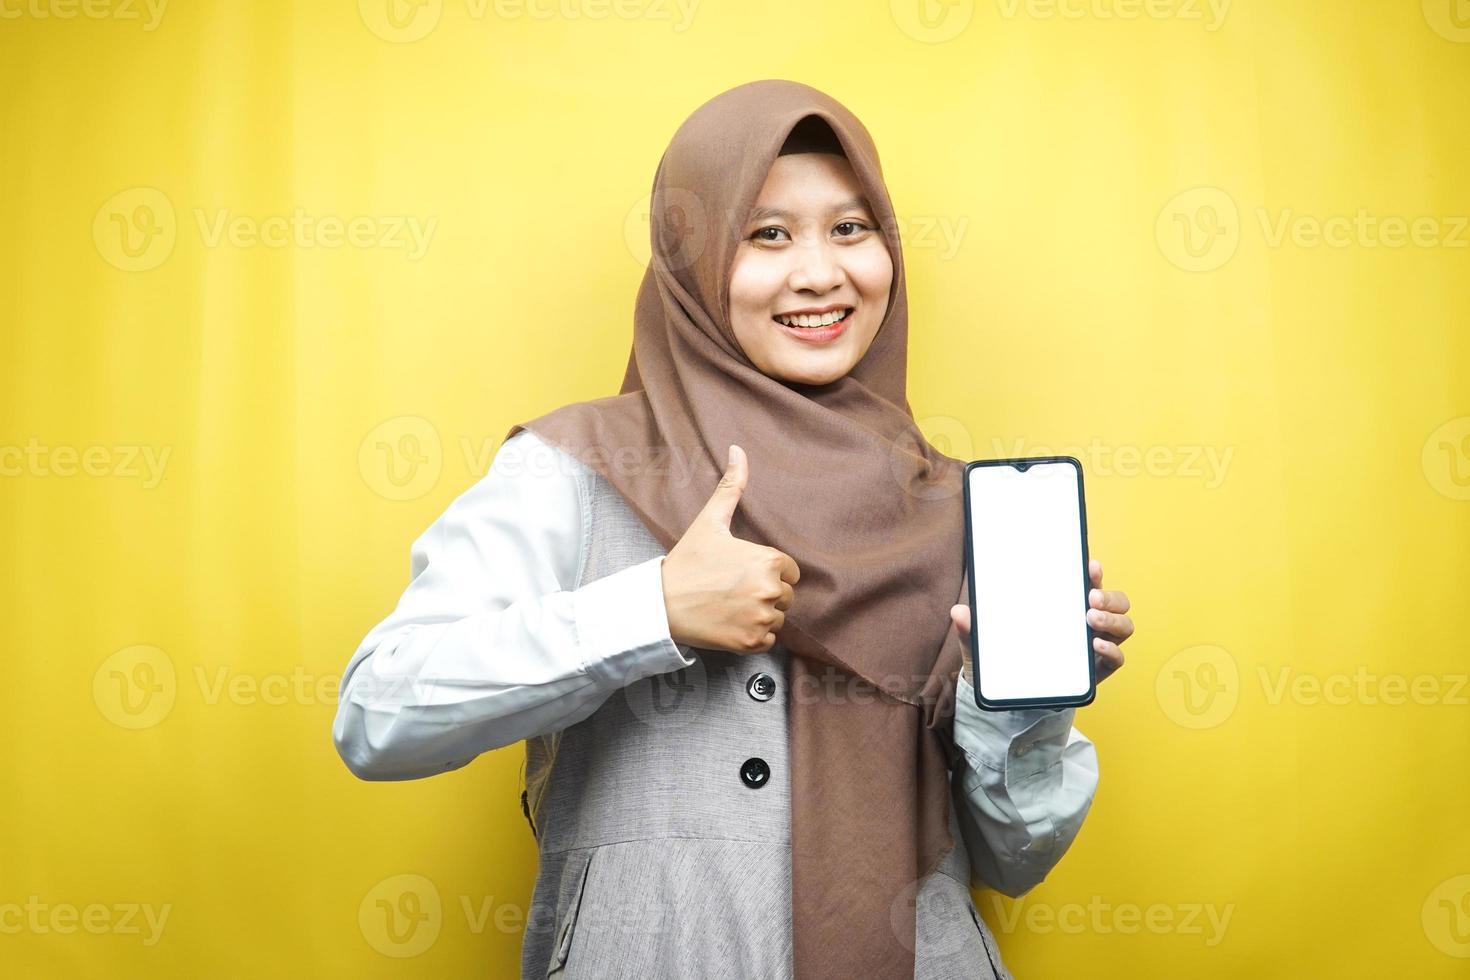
872	271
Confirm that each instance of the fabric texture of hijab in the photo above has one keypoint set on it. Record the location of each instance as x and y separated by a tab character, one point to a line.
842	480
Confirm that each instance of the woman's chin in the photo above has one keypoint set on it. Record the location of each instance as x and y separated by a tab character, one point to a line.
807	373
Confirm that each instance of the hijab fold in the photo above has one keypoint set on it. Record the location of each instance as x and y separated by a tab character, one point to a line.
842	480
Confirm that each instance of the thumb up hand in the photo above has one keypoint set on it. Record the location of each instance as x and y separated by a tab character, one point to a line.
721	592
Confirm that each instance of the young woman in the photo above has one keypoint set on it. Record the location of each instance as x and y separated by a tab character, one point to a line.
725	610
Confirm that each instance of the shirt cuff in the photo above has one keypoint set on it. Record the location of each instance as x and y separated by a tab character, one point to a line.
623	626
1004	740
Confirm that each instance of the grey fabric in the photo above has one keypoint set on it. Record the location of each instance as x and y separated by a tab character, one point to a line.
657	860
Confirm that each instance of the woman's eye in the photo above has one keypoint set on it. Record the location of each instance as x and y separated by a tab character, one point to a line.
761	236
855	226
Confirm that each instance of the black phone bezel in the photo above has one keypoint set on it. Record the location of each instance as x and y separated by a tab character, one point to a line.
1011	704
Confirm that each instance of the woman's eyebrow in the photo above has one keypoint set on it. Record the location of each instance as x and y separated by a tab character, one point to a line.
851	204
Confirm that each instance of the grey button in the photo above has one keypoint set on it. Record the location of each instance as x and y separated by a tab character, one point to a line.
761	686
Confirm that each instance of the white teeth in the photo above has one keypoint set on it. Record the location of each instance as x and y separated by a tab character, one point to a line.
814	320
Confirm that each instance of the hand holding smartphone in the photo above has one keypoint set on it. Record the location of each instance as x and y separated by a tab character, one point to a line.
1026	554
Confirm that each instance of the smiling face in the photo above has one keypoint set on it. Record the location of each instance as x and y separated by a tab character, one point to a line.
811	252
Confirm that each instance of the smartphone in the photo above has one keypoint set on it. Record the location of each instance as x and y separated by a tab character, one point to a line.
1026	554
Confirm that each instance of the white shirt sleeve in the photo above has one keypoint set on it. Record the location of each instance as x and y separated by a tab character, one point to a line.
492	642
1024	783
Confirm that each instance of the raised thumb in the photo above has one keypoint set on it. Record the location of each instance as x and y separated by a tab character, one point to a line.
722	503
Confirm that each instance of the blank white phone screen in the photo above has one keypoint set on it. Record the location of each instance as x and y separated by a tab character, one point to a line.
1030	611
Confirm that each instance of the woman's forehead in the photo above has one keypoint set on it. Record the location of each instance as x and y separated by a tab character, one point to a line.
810	183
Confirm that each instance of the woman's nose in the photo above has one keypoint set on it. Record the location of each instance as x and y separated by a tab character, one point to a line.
817	269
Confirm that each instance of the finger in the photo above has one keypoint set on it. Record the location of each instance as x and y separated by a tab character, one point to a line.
722	503
960	614
1094	571
1108	657
789	571
788	595
1108	599
1117	626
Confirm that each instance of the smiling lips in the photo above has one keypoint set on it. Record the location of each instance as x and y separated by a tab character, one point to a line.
816	326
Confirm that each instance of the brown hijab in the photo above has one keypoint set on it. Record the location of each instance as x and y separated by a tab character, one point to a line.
842	480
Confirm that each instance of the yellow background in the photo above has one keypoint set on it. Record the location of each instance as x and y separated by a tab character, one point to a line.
1109	209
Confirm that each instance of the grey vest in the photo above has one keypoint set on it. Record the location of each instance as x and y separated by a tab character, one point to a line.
664	822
